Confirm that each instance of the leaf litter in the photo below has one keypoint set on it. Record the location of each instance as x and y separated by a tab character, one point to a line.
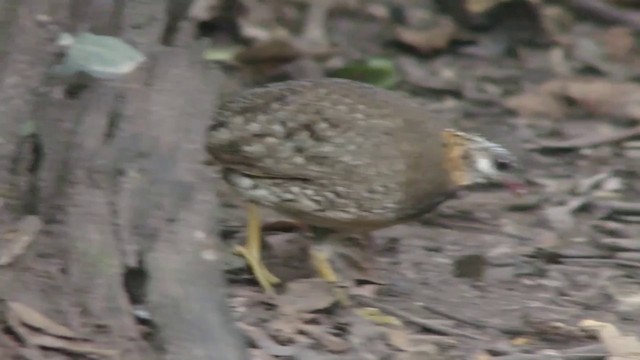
492	76
24	321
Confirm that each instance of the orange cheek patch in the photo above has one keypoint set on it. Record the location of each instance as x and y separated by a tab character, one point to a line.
454	149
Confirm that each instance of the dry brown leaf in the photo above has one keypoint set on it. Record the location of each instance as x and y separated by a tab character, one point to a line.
480	6
399	339
307	295
262	340
482	355
50	342
274	50
618	42
536	104
33	339
377	317
27	230
556	21
598	96
620	347
285	330
332	343
259	354
34	319
427	41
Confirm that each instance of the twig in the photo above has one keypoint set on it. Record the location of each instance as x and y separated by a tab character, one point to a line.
476	323
263	341
605	12
587	141
426	324
22	333
478	227
589	352
621	207
593	261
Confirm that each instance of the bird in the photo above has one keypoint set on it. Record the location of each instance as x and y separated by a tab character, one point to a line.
343	158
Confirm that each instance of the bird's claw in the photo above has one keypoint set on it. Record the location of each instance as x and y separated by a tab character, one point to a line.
264	277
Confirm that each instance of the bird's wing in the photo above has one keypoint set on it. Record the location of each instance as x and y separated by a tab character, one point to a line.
307	131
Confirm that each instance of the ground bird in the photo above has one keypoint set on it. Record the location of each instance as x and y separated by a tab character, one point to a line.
343	158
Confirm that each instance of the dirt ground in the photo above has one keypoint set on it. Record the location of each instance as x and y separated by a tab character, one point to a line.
488	275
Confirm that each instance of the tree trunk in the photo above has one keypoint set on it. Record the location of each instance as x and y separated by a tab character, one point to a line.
116	174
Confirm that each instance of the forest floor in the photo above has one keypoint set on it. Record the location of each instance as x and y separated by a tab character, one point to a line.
489	274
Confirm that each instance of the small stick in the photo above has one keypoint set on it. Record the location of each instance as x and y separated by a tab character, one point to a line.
605	12
423	323
587	141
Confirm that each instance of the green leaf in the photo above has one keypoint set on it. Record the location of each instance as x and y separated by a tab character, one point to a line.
376	71
28	128
104	57
220	54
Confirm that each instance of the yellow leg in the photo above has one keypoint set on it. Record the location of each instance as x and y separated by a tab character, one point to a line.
322	265
320	255
251	251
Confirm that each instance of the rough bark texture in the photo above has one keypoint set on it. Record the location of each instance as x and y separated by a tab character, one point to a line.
117	175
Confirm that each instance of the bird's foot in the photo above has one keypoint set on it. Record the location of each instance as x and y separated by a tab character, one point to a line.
264	277
252	252
322	265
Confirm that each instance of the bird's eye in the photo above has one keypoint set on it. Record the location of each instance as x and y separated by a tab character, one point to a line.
503	165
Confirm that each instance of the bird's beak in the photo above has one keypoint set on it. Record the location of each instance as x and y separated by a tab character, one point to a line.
516	183
516	187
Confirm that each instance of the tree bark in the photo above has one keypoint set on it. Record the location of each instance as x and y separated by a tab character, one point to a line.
121	186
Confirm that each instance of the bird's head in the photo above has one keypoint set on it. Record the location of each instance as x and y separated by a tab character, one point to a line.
473	160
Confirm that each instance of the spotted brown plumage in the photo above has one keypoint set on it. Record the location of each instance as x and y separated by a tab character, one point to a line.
343	158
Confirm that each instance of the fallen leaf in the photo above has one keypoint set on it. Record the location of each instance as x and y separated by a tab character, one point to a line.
377	317
560	218
50	342
599	97
521	341
263	341
34	319
620	347
557	21
480	6
27	230
536	104
332	343
259	354
428	41
221	54
307	295
482	355
270	51
399	339
377	71
626	295
618	42
284	330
